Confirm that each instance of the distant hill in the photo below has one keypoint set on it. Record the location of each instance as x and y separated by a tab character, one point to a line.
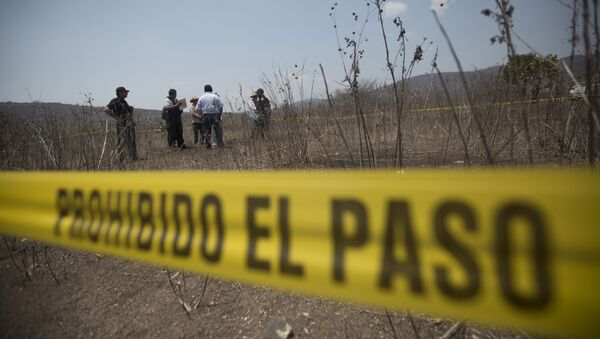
40	110
306	103
452	79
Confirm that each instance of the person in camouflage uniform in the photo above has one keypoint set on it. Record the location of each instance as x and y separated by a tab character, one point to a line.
263	112
119	109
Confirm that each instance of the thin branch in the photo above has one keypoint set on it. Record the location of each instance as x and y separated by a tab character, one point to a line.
474	111
332	111
203	291
389	318
103	144
47	259
451	331
456	118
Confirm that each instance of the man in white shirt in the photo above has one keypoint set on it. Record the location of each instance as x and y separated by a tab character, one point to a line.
211	107
252	114
251	111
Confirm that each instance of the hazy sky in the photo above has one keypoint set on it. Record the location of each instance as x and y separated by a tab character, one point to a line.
55	51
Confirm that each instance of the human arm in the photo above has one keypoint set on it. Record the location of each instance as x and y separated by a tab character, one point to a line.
168	105
198	107
112	108
220	105
251	111
195	112
109	112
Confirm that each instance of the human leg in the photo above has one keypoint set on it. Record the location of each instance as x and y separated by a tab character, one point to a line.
208	121
172	130
197	127
130	140
179	132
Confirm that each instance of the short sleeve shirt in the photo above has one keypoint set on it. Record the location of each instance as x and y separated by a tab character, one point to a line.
167	102
120	107
209	103
174	110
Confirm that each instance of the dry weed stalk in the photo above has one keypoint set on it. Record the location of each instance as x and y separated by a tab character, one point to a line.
179	292
455	116
399	101
25	258
474	110
354	52
332	115
590	80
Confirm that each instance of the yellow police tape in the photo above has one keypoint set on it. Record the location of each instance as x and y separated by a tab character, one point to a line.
516	248
447	108
505	103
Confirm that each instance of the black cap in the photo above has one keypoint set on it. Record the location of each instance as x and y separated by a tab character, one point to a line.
207	88
260	91
122	89
172	91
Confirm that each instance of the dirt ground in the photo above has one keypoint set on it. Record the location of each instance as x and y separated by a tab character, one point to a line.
51	292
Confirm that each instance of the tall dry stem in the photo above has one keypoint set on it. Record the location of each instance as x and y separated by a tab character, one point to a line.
455	117
474	110
590	91
332	114
390	67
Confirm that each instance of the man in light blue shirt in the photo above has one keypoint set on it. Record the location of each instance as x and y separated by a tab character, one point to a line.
211	107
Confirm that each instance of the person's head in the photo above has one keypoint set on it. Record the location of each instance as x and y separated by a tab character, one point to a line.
194	100
208	88
172	93
122	92
253	94
260	92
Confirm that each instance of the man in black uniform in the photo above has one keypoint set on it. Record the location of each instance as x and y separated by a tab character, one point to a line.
172	114
120	110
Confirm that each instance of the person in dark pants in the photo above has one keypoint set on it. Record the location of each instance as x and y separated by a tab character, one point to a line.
119	109
172	114
218	126
263	112
211	107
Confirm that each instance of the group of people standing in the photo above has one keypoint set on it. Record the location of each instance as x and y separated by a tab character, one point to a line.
206	111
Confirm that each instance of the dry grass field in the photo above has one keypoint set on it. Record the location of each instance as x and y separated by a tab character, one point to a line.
318	135
55	292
